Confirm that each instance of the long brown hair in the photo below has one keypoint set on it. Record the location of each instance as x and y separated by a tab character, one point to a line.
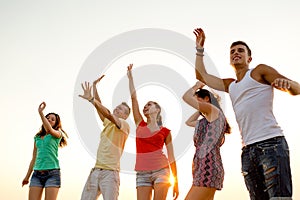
57	126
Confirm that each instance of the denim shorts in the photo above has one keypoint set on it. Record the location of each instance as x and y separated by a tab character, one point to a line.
266	169
149	178
45	178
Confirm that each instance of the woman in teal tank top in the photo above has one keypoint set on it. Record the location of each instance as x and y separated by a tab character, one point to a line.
45	163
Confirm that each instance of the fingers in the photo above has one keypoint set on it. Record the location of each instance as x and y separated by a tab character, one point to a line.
281	83
129	67
98	80
24	182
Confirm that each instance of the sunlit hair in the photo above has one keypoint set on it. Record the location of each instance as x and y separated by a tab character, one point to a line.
57	126
127	106
202	93
158	118
242	43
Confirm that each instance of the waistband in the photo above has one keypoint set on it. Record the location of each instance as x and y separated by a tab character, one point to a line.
263	141
46	171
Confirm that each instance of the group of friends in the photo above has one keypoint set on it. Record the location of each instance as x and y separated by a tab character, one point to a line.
265	153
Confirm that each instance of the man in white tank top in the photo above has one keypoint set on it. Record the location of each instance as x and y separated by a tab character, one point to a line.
265	156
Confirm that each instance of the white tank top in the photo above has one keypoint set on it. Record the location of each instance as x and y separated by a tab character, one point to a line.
253	106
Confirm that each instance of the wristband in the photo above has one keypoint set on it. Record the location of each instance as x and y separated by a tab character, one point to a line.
200	51
91	100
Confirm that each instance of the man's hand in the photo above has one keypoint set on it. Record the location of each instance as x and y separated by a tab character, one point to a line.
98	80
200	37
281	84
86	91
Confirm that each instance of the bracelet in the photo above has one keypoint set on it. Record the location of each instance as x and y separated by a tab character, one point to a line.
199	54
91	100
200	49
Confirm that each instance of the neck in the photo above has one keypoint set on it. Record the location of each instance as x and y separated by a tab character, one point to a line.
151	120
240	71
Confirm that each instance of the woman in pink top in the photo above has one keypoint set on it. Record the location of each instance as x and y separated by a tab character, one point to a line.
152	166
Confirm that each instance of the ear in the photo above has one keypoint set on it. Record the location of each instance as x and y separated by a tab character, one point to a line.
249	59
206	99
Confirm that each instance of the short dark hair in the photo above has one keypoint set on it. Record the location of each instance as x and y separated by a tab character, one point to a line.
242	43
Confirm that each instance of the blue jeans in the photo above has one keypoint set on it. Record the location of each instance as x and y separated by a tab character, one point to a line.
266	169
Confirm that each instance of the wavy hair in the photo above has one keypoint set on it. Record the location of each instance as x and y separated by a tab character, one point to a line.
57	126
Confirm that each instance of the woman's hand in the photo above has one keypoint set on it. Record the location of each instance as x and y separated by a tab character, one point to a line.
129	68
42	106
25	182
198	85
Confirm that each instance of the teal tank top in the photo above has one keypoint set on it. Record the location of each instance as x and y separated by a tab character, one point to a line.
47	152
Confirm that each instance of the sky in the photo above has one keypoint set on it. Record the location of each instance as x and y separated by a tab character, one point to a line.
49	47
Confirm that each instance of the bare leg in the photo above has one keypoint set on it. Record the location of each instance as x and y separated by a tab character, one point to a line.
35	193
161	191
51	193
202	193
144	193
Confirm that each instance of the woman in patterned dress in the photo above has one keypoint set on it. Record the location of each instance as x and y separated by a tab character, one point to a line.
208	172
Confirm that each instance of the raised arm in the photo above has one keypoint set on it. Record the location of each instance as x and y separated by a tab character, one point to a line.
96	95
201	73
135	105
192	120
87	94
172	161
30	168
266	74
48	128
210	111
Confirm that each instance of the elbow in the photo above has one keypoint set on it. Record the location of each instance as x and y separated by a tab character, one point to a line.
187	123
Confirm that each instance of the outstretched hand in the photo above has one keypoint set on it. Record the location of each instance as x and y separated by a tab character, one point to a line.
129	68
200	37
98	80
42	106
87	94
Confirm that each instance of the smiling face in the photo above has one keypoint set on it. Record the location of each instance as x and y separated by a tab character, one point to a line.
239	55
121	111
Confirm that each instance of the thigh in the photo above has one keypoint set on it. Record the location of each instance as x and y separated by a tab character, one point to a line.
161	191
51	193
275	163
144	192
91	190
253	175
109	184
202	193
35	193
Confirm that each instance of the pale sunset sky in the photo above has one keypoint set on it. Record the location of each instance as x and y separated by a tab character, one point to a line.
47	48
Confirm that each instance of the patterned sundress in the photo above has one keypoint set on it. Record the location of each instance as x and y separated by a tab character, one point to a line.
207	163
